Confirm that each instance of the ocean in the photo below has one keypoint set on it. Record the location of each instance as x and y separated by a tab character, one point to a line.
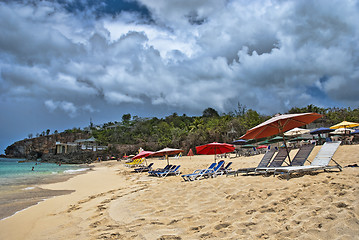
19	180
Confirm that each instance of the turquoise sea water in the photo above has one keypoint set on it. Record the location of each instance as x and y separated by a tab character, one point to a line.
19	183
12	172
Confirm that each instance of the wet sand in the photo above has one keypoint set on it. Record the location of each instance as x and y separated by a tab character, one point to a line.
15	198
112	202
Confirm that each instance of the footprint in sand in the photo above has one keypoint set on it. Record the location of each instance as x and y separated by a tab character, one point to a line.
222	225
73	208
169	237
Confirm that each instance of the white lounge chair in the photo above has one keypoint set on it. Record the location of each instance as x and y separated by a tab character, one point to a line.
320	162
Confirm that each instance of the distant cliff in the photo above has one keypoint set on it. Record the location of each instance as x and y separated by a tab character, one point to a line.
37	147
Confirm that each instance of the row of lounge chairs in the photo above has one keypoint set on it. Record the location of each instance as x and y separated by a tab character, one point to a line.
320	162
213	170
135	163
144	168
271	163
166	171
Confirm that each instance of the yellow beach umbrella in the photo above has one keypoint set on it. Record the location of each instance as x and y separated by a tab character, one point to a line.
345	124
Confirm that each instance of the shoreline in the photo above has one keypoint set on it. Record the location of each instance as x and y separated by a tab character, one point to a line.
16	198
112	202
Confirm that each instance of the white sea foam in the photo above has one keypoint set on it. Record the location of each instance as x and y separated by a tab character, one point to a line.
29	188
70	171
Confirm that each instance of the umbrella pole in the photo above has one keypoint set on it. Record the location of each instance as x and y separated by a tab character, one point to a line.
168	162
215	155
286	147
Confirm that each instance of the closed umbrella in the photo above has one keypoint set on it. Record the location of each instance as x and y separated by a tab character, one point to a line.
279	125
190	153
215	148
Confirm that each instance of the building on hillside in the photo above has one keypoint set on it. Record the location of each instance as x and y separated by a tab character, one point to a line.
79	145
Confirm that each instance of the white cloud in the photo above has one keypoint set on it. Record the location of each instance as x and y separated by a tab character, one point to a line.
68	107
269	55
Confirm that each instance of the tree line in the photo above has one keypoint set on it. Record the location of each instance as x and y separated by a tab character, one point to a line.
186	132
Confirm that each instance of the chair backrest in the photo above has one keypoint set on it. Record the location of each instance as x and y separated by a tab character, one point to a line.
176	168
325	153
228	165
302	155
280	157
219	165
266	158
211	166
149	165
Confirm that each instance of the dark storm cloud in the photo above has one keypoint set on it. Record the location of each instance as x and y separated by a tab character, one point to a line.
99	57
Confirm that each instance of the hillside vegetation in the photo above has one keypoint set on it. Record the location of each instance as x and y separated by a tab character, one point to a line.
187	132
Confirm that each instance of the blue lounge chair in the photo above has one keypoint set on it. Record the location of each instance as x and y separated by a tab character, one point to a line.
166	173
187	177
144	169
224	170
167	167
209	173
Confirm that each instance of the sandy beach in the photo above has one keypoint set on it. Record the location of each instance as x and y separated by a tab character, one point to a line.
111	202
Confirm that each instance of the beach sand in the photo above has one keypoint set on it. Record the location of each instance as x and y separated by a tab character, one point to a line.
112	202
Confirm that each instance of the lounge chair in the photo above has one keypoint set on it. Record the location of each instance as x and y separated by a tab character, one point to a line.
263	163
167	167
224	170
210	173
128	164
320	162
135	163
144	169
299	159
187	177
279	159
168	172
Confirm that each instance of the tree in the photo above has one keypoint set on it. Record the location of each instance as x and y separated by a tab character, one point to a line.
210	112
47	132
126	118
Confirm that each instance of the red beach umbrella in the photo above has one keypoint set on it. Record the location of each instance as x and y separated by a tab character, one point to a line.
261	146
215	148
143	154
280	124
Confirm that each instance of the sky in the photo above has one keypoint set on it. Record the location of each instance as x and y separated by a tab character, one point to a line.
66	62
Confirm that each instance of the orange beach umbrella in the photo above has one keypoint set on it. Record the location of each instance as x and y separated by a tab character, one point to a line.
166	152
279	125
